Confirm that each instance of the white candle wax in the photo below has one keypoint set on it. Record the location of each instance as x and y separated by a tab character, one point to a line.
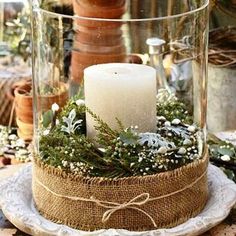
121	90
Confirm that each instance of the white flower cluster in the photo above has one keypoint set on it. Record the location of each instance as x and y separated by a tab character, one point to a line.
75	167
163	96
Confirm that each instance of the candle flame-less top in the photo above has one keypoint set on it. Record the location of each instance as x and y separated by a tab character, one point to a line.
124	91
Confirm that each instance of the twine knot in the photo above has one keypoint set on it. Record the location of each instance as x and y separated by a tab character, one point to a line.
132	204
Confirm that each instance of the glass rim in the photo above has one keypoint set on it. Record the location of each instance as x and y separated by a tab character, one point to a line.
36	8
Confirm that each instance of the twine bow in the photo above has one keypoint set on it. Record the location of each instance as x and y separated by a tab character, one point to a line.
132	204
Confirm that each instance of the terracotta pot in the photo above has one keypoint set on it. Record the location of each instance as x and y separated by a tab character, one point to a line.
24	127
135	59
10	91
89	58
97	23
96	31
22	96
25	130
26	137
24	107
100	39
25	114
102	3
77	72
83	47
45	102
110	12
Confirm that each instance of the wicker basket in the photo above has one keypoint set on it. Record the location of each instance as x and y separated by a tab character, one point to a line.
132	203
222	47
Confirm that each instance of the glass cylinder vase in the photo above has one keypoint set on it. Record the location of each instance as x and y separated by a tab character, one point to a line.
120	89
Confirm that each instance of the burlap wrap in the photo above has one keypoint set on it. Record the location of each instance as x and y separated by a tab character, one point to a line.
182	194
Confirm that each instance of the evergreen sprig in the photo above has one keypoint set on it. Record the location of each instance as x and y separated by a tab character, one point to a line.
117	153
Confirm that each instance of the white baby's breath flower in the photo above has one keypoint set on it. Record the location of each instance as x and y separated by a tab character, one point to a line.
79	102
182	151
225	158
161	118
187	142
162	150
46	132
55	107
176	121
132	164
191	128
167	124
12	137
20	143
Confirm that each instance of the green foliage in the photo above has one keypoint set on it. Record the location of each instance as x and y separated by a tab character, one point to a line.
70	124
174	109
171	108
79	110
223	154
47	118
115	153
17	32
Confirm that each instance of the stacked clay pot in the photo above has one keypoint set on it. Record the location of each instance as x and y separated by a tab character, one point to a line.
97	41
24	107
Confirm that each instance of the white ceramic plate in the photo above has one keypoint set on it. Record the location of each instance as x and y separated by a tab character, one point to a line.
17	204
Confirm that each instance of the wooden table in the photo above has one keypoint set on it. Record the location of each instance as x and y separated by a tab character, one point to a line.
227	228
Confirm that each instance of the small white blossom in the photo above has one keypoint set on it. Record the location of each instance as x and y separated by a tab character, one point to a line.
46	132
225	158
191	128
140	159
162	118
64	163
176	121
162	150
55	107
79	102
12	137
182	151
22	152
132	164
167	124
187	142
20	143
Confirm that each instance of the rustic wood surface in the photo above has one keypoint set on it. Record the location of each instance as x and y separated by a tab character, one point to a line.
227	228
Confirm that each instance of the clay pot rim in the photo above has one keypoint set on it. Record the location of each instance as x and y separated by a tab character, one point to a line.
10	91
18	90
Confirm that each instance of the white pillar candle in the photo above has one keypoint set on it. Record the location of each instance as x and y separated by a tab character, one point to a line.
121	90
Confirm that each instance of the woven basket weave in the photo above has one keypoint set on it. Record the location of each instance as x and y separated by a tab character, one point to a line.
181	194
8	77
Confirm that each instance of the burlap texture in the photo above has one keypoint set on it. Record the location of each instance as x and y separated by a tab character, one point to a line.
166	212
